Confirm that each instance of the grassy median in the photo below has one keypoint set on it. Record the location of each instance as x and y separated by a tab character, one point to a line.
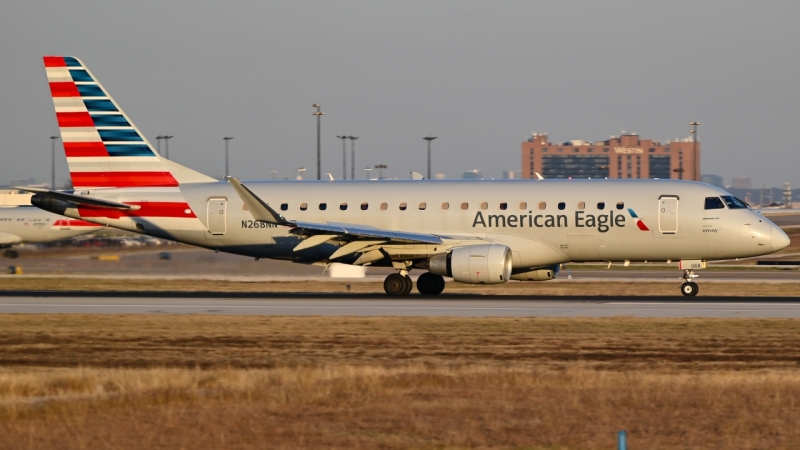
189	381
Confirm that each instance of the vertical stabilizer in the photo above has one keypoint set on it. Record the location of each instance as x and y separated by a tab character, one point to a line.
104	148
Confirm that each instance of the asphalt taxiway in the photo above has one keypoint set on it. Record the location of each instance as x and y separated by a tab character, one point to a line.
379	305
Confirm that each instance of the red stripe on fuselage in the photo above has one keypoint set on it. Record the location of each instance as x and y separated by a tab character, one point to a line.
146	209
74	119
79	149
75	223
123	179
642	226
64	89
54	61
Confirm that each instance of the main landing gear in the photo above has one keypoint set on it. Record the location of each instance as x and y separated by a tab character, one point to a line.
428	283
689	288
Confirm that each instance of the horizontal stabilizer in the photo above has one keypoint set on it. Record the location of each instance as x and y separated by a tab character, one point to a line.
80	200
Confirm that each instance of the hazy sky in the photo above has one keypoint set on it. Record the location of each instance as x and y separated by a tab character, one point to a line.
479	75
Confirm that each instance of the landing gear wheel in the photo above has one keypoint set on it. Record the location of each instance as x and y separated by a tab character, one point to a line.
430	284
13	254
690	289
396	284
409	285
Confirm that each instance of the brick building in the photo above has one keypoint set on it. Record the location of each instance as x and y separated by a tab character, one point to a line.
625	156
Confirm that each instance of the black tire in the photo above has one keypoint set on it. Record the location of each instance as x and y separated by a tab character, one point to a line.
13	254
690	289
396	284
409	285
430	284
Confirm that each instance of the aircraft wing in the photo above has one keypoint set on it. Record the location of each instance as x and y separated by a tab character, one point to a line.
318	233
79	200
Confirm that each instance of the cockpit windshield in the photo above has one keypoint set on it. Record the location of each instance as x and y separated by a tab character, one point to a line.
734	203
714	203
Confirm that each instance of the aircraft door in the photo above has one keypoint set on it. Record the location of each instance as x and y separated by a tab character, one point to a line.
668	214
217	208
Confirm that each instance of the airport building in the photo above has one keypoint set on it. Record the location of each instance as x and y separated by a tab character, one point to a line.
625	156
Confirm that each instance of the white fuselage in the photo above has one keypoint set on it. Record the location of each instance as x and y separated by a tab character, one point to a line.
542	222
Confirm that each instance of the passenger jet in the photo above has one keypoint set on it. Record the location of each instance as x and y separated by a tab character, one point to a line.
481	232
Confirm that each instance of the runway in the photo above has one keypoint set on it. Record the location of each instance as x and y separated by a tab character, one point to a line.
378	305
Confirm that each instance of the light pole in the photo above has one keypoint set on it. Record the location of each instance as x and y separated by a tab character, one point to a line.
344	156
166	145
694	147
226	139
380	168
319	115
367	170
352	156
53	161
429	139
158	143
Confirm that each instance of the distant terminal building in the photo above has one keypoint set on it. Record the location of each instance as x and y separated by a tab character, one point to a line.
742	183
625	156
714	180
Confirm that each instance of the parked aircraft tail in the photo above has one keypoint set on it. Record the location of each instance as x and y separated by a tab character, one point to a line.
104	148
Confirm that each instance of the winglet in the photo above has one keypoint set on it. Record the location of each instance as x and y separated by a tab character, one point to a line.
538	176
258	208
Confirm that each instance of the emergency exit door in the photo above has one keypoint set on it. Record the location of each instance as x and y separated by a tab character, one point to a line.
216	215
668	214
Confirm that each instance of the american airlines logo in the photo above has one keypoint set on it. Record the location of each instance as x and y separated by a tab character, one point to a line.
582	219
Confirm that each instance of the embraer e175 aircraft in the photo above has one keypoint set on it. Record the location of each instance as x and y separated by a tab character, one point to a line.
473	231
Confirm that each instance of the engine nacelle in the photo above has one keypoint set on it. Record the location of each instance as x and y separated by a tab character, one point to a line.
538	275
475	264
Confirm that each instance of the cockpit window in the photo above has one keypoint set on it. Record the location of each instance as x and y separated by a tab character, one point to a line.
734	203
714	203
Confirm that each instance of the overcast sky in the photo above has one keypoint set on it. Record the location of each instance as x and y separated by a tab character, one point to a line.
479	75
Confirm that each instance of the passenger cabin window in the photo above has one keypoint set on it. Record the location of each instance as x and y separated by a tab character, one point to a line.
343	206
422	206
364	206
403	206
284	206
484	206
445	206
542	206
601	205
465	206
503	206
734	203
714	203
303	206
523	205
620	205
561	206
581	205
384	206
323	206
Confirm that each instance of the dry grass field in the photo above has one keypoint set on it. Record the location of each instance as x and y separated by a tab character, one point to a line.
190	381
561	287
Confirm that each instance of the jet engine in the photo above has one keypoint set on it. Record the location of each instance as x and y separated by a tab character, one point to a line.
542	274
475	264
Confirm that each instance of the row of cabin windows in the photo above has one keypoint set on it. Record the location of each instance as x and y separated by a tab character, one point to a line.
446	206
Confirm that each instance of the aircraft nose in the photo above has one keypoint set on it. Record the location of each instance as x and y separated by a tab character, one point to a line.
779	239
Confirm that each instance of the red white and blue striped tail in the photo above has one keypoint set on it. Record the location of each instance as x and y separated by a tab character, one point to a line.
104	148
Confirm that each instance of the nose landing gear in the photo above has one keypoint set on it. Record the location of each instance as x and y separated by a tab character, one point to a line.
689	288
